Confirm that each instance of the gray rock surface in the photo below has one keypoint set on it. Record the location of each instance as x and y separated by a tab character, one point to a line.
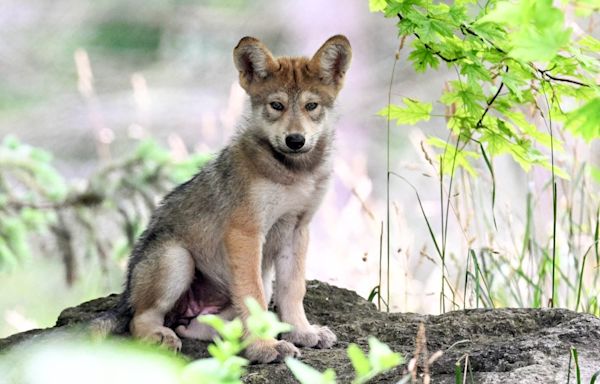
501	345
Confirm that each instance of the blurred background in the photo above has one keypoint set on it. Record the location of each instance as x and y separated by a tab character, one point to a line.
91	81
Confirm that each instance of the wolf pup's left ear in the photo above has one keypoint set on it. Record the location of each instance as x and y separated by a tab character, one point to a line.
253	60
332	60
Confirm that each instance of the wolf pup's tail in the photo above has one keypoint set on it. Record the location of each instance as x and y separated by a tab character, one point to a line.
112	322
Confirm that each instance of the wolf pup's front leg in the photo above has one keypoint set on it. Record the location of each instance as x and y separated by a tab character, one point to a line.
289	295
243	243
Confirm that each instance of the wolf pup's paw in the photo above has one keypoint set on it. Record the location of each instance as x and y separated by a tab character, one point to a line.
314	337
165	337
268	351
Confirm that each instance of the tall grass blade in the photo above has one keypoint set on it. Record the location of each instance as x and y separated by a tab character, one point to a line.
580	280
576	361
488	163
380	267
429	228
374	292
554	287
387	185
597	236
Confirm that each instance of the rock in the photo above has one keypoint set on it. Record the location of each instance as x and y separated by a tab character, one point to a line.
500	345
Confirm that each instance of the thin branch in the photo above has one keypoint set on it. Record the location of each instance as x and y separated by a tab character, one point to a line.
435	52
85	199
562	79
465	28
490	102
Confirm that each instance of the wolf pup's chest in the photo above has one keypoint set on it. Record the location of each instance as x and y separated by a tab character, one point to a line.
274	200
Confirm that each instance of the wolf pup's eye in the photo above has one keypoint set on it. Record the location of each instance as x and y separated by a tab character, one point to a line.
276	105
311	106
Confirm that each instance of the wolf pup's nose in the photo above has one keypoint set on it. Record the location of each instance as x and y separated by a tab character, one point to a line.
295	141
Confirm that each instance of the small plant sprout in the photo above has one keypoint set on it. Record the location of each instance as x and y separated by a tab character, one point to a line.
263	324
380	359
225	366
306	374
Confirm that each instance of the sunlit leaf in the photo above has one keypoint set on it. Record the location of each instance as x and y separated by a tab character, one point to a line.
306	374
413	112
359	360
585	121
377	5
423	57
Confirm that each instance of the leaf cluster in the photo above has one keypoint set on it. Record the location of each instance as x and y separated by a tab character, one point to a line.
515	61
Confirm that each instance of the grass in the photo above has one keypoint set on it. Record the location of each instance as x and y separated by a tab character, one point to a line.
533	263
534	267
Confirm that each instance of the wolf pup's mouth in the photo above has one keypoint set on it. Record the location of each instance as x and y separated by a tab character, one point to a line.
291	152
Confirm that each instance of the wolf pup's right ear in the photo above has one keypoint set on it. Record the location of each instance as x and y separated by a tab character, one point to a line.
253	60
332	61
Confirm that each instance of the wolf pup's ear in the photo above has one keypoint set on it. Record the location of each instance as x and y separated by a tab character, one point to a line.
332	60
253	60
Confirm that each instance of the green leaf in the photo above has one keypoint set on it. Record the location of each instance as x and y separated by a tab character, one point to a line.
414	112
263	324
450	156
377	5
508	12
537	28
212	371
422	57
595	172
590	43
306	374
475	71
515	83
464	95
358	359
490	31
381	357
585	121
457	13
150	150
531	131
214	321
531	44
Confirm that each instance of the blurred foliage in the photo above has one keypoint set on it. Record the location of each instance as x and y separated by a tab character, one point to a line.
226	366
76	359
380	359
125	36
38	205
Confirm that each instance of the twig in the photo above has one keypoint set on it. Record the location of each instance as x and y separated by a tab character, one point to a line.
562	79
490	102
437	53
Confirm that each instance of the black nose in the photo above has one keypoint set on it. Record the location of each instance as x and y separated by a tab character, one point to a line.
295	141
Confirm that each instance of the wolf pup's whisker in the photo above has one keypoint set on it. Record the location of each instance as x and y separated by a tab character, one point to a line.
243	219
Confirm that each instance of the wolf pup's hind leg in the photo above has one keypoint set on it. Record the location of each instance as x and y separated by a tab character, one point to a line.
157	283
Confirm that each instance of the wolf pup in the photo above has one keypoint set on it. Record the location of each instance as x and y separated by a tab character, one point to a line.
221	236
